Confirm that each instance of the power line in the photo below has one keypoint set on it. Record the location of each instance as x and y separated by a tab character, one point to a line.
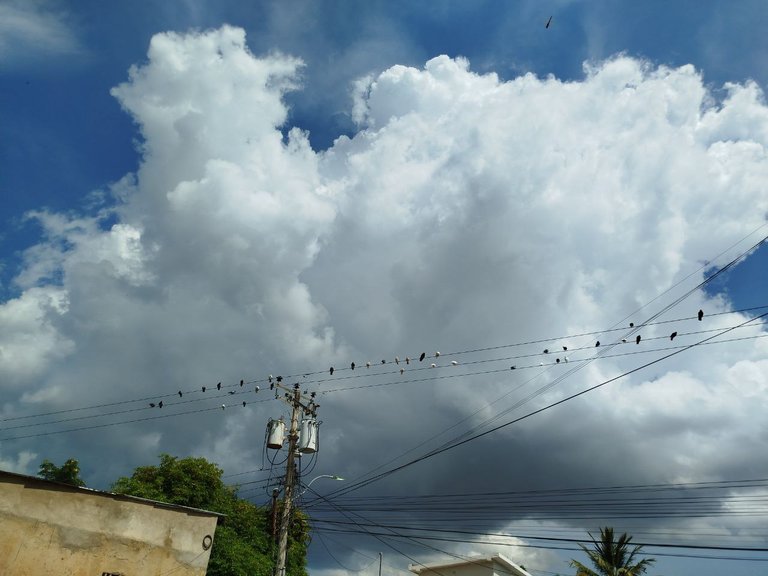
456	444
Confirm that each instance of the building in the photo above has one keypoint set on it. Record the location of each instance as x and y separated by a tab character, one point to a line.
496	565
54	528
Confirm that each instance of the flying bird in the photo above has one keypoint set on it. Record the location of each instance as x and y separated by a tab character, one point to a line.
637	340
423	355
548	22
672	336
701	315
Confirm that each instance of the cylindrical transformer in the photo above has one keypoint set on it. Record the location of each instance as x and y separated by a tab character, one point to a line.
276	434
308	436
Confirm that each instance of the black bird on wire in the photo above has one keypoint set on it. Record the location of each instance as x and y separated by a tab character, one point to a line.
637	340
151	404
180	394
352	365
160	405
218	386
423	355
203	388
548	22
672	336
331	371
597	344
701	315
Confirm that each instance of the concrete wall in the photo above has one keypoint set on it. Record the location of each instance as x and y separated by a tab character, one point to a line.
50	528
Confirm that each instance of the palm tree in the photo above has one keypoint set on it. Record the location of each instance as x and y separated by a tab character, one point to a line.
612	557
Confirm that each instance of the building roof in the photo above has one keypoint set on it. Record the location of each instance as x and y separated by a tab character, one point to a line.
506	565
52	484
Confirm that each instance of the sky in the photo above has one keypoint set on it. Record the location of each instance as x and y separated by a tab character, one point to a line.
198	192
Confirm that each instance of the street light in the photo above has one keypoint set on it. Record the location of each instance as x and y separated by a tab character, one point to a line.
331	476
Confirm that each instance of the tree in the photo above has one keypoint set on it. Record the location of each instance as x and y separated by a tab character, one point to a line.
242	545
612	557
69	472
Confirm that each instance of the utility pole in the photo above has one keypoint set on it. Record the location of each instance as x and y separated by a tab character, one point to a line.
290	476
298	405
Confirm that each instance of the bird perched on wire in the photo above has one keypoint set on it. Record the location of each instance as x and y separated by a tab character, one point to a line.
160	404
423	355
352	365
701	315
218	386
637	339
331	371
672	336
180	394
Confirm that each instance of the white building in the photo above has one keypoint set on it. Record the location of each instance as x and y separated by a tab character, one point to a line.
496	565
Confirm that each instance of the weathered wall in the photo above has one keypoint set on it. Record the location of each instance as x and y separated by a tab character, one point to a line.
48	528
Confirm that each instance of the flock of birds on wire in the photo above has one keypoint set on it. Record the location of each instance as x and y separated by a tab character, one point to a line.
408	361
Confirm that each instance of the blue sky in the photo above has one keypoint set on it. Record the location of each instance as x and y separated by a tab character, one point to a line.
358	180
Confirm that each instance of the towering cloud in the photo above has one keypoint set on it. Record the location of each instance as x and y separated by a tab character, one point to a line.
466	213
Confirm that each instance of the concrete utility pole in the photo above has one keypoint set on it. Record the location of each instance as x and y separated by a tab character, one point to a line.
290	477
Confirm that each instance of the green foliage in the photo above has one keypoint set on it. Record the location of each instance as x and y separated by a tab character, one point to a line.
612	557
69	472
243	544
